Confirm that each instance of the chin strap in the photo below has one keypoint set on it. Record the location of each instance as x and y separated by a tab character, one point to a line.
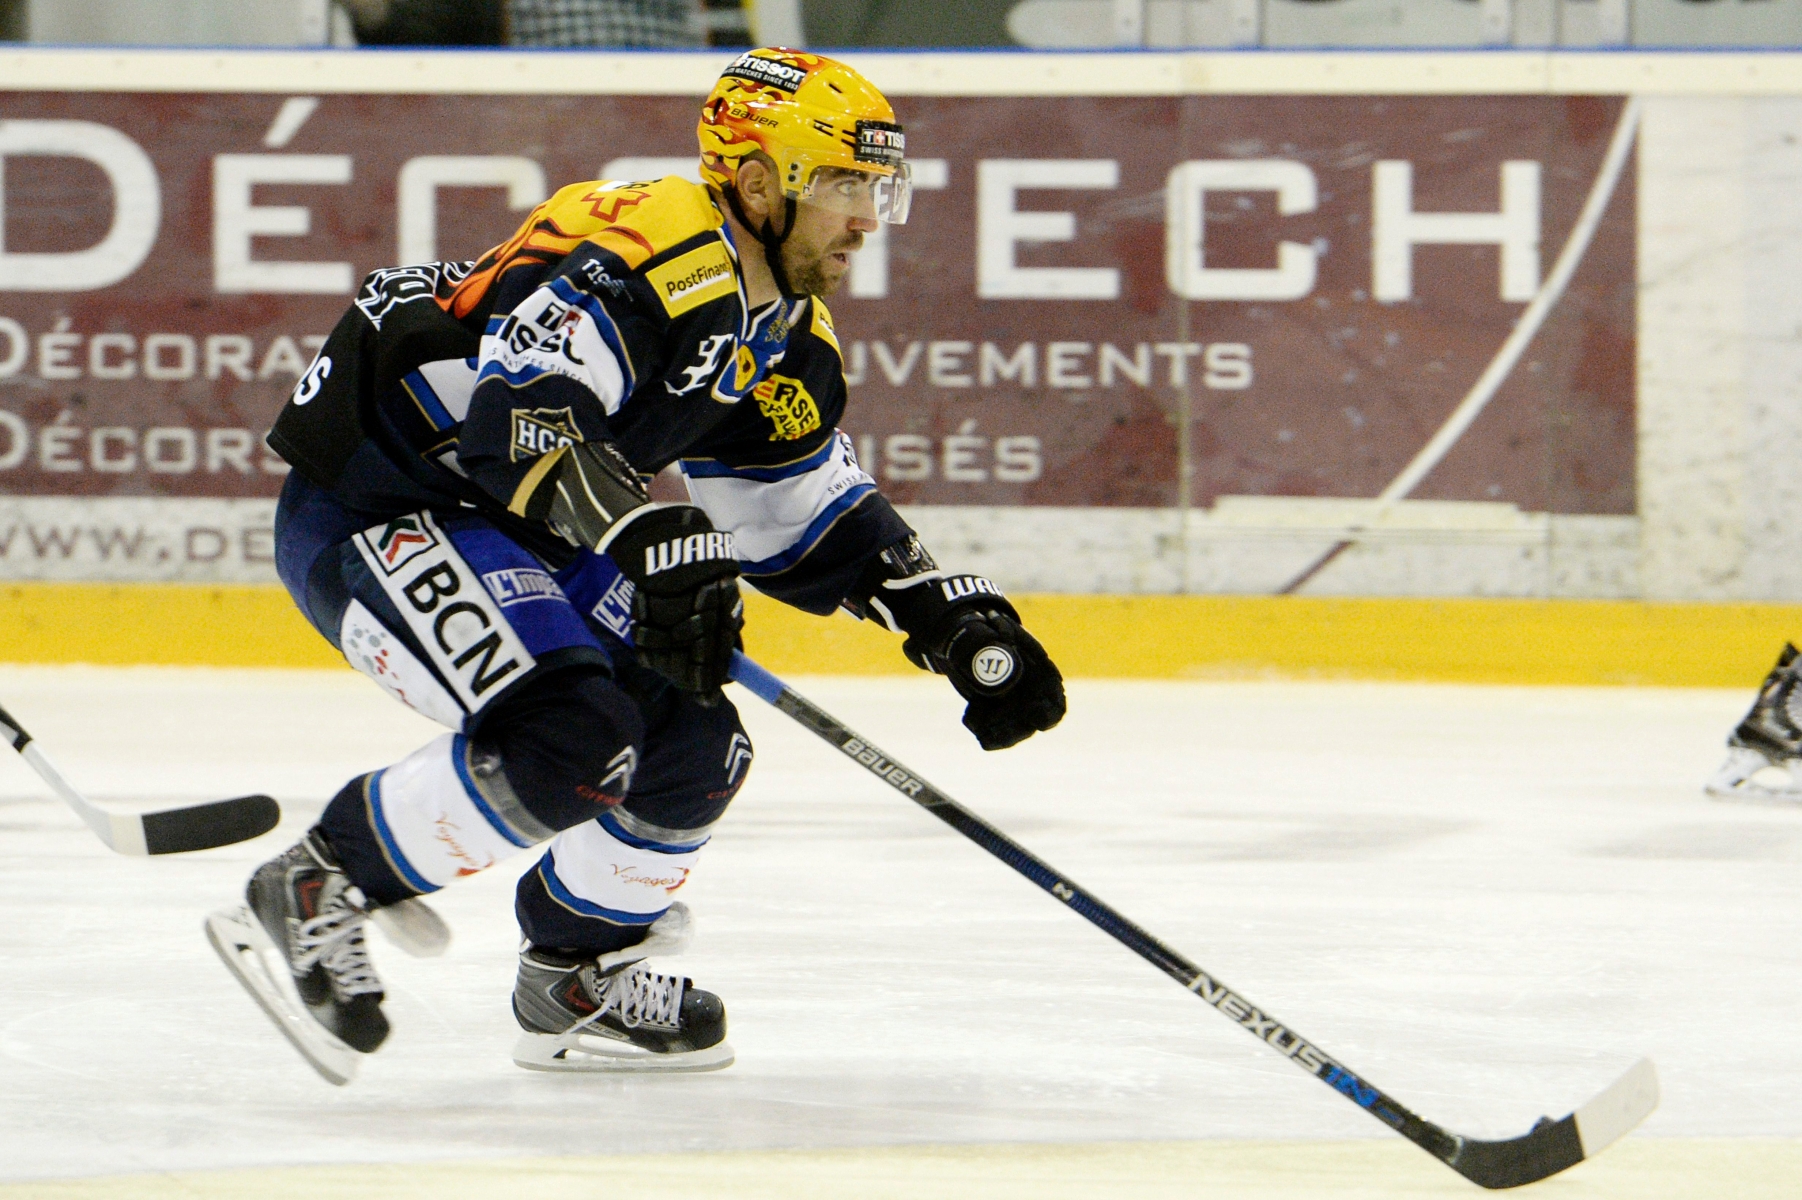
768	238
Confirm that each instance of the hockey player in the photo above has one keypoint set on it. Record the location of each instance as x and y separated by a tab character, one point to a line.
1764	751
467	519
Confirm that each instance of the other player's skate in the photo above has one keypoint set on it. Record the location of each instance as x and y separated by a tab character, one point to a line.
297	946
612	1013
1764	751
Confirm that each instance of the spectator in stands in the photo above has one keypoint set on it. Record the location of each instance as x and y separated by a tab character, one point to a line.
623	23
428	22
635	23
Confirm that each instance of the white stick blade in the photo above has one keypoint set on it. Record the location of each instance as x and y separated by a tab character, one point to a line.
128	834
1619	1109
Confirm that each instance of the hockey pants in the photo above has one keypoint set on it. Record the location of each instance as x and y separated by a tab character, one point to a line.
559	734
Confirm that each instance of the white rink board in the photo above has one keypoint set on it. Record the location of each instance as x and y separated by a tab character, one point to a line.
142	538
1490	900
1122	551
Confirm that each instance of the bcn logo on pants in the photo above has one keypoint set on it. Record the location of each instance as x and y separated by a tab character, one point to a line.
400	541
468	640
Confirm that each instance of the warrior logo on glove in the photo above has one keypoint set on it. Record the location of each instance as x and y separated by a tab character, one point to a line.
962	627
992	666
679	552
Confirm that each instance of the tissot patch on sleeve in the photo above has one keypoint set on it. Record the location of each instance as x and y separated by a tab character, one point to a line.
691	280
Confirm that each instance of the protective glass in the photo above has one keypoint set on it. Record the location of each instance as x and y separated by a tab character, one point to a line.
883	198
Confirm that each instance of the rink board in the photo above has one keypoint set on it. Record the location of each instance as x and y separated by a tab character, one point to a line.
1644	1169
1641	446
1148	637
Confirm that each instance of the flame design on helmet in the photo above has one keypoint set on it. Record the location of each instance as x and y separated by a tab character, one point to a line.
803	110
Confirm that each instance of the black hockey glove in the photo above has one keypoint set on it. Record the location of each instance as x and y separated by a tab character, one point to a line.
686	611
962	627
1013	688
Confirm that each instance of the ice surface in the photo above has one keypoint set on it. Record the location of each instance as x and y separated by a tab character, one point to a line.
1488	900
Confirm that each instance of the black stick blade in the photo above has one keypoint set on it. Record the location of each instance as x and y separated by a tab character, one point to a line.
1549	1149
1553	1146
220	823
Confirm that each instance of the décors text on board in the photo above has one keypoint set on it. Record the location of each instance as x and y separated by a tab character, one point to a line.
246	235
67	446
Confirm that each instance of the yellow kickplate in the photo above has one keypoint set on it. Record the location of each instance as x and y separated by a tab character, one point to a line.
1375	1169
242	625
1147	637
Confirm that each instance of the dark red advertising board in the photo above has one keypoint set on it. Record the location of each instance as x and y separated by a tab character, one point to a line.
171	261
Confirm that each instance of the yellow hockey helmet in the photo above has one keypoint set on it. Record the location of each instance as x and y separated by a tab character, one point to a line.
808	113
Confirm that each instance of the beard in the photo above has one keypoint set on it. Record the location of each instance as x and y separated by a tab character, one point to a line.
810	278
813	273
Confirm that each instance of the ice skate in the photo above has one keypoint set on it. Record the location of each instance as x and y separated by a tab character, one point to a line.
1764	751
297	947
612	1013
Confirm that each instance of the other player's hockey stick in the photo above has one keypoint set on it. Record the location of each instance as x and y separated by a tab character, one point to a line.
1550	1147
171	831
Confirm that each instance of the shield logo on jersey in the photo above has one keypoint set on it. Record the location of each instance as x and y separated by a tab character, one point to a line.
401	541
541	430
789	406
746	363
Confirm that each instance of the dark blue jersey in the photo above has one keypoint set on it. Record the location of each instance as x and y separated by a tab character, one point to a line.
617	313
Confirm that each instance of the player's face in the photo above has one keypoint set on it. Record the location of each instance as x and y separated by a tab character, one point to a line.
817	253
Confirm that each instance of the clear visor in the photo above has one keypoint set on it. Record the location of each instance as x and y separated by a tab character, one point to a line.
884	198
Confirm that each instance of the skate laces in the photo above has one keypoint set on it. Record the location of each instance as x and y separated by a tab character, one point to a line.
640	996
334	940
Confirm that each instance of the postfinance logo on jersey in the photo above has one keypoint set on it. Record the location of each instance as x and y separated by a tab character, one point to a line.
789	406
691	280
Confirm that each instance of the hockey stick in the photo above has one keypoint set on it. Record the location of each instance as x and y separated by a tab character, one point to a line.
171	831
1550	1147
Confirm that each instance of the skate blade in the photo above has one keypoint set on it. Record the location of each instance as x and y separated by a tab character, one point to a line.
244	947
587	1052
1749	777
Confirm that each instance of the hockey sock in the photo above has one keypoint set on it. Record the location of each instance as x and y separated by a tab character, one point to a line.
424	822
599	887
